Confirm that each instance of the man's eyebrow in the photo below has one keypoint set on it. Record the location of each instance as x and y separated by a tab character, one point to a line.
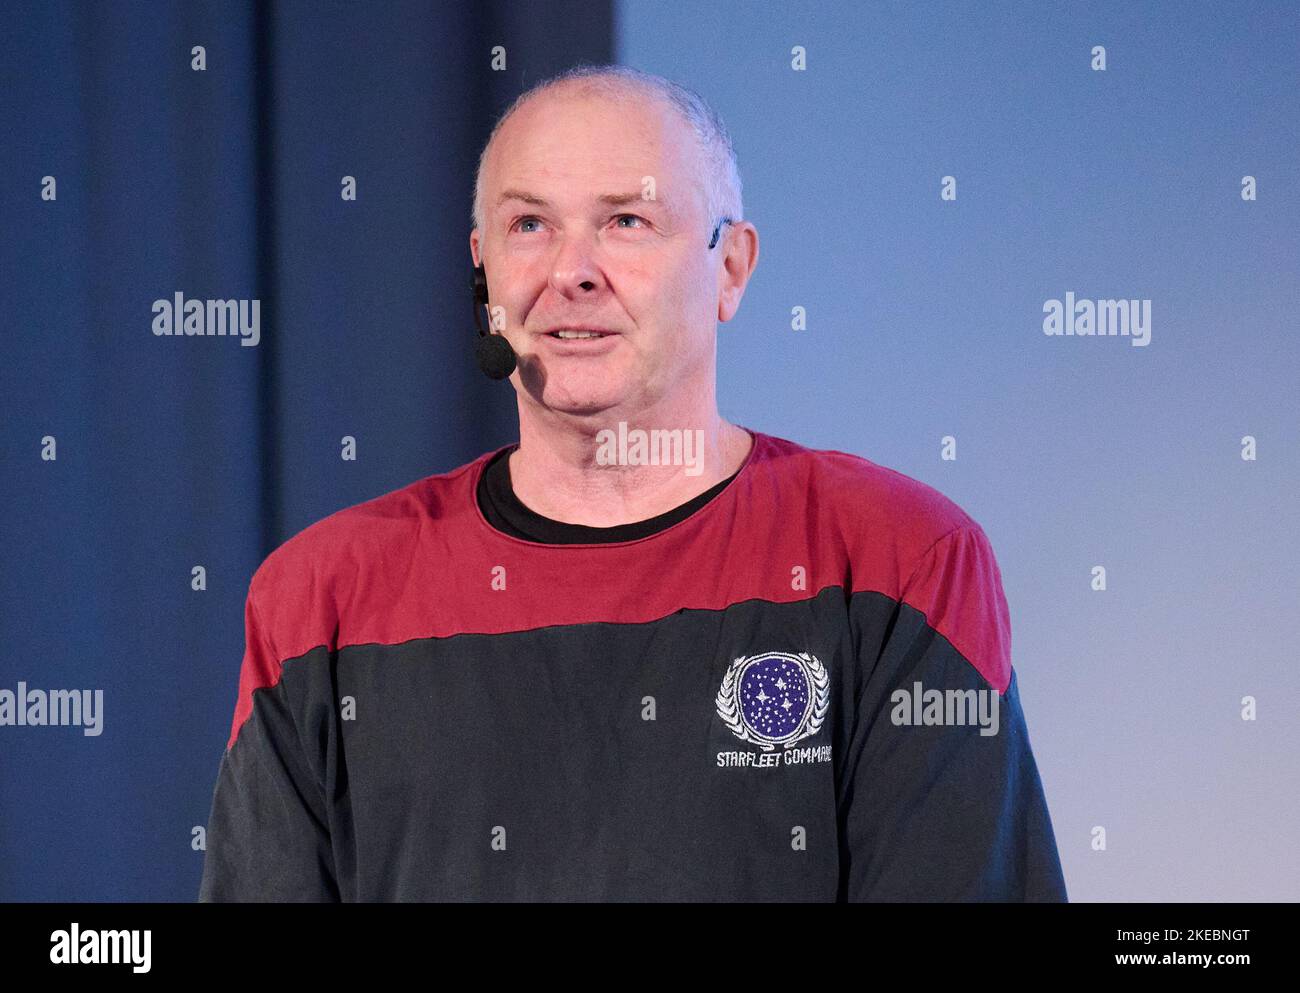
623	199
521	195
609	199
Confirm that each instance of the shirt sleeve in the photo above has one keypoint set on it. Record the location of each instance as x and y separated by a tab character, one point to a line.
268	836
941	798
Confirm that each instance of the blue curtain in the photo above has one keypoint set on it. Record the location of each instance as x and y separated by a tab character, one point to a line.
172	452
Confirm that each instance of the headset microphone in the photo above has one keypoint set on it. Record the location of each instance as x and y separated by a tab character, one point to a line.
495	356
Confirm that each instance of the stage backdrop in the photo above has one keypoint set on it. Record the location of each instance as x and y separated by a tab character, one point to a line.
223	182
925	322
926	178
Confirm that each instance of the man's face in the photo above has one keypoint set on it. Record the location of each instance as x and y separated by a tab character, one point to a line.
580	254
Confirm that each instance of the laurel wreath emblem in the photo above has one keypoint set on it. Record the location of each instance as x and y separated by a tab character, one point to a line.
729	705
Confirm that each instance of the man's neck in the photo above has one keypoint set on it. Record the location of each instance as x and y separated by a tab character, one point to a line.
562	474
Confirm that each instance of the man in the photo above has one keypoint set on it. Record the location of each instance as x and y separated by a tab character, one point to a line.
645	654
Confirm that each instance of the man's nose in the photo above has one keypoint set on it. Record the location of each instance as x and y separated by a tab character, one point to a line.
574	270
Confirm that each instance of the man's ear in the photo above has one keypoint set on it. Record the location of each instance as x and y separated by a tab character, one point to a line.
738	262
474	248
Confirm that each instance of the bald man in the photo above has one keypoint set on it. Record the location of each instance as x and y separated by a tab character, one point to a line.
643	654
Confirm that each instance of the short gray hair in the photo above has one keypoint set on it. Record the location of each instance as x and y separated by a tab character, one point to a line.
722	186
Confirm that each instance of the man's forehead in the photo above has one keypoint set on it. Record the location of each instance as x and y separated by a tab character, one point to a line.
536	142
559	111
519	194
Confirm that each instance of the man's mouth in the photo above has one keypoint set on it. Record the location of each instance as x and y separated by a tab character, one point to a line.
567	335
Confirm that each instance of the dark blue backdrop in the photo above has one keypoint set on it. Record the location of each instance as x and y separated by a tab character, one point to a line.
176	452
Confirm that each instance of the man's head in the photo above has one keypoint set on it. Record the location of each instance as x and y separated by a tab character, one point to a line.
597	195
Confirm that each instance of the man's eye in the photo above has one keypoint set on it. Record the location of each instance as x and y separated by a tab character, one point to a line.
530	219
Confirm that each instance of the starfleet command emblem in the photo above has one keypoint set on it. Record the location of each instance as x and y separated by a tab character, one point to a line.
775	698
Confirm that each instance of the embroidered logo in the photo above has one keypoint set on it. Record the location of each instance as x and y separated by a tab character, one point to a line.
775	698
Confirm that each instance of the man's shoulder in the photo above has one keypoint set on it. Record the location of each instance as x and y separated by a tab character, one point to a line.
376	530
867	499
904	538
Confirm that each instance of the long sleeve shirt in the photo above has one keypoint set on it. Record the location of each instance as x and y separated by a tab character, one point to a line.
799	687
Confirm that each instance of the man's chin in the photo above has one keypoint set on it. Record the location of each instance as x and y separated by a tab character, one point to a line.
579	406
582	398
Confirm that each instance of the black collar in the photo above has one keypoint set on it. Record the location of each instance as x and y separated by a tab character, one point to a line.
504	511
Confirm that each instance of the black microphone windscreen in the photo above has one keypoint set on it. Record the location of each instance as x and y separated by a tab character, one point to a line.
495	356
